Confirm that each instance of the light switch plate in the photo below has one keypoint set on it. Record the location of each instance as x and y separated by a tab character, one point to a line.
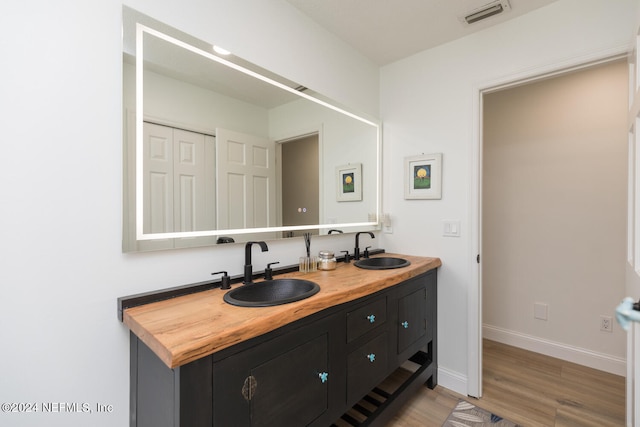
451	228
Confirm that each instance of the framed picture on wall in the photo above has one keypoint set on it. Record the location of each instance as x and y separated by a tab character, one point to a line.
349	180
423	176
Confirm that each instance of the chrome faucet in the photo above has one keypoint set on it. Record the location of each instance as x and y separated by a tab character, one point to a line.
356	251
248	268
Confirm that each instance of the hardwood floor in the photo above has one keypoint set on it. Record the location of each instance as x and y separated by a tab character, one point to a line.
529	389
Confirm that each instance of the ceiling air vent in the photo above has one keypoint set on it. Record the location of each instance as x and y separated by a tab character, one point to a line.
486	11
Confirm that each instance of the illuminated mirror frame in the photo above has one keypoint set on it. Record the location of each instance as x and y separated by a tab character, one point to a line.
141	29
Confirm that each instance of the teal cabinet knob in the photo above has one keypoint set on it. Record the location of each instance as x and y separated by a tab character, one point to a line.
371	357
323	377
371	318
405	324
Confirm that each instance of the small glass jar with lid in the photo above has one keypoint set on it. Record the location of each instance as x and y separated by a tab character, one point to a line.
326	260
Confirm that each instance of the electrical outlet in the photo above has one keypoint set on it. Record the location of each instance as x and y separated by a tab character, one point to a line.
540	311
606	323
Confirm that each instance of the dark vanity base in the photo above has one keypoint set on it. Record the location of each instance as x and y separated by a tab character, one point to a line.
352	364
379	406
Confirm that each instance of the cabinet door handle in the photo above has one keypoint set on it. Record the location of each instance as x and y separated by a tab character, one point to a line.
249	387
371	318
324	376
405	324
371	357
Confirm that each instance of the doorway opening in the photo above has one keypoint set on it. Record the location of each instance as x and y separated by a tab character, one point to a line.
553	173
299	182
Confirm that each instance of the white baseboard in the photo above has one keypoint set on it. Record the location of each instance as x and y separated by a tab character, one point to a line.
581	356
453	381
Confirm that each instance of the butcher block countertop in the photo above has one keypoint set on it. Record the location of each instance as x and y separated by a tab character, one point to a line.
183	329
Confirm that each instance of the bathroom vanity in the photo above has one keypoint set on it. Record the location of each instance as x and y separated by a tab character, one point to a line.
198	361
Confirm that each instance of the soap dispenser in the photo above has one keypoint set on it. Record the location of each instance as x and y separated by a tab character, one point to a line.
226	280
268	272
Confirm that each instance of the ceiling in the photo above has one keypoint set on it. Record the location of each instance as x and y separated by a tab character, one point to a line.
388	30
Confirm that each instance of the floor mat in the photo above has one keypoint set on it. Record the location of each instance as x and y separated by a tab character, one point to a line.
466	414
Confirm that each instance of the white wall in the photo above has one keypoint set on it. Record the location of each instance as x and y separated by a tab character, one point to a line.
554	214
429	104
61	267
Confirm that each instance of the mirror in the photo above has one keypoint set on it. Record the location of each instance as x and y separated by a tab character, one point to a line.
209	148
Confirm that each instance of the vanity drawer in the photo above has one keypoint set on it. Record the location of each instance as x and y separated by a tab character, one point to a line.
366	318
366	367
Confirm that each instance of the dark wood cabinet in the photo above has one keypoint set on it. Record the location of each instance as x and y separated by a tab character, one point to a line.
309	372
412	319
282	381
163	397
366	317
292	388
366	367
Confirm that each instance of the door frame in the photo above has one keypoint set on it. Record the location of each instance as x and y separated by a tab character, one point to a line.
474	300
